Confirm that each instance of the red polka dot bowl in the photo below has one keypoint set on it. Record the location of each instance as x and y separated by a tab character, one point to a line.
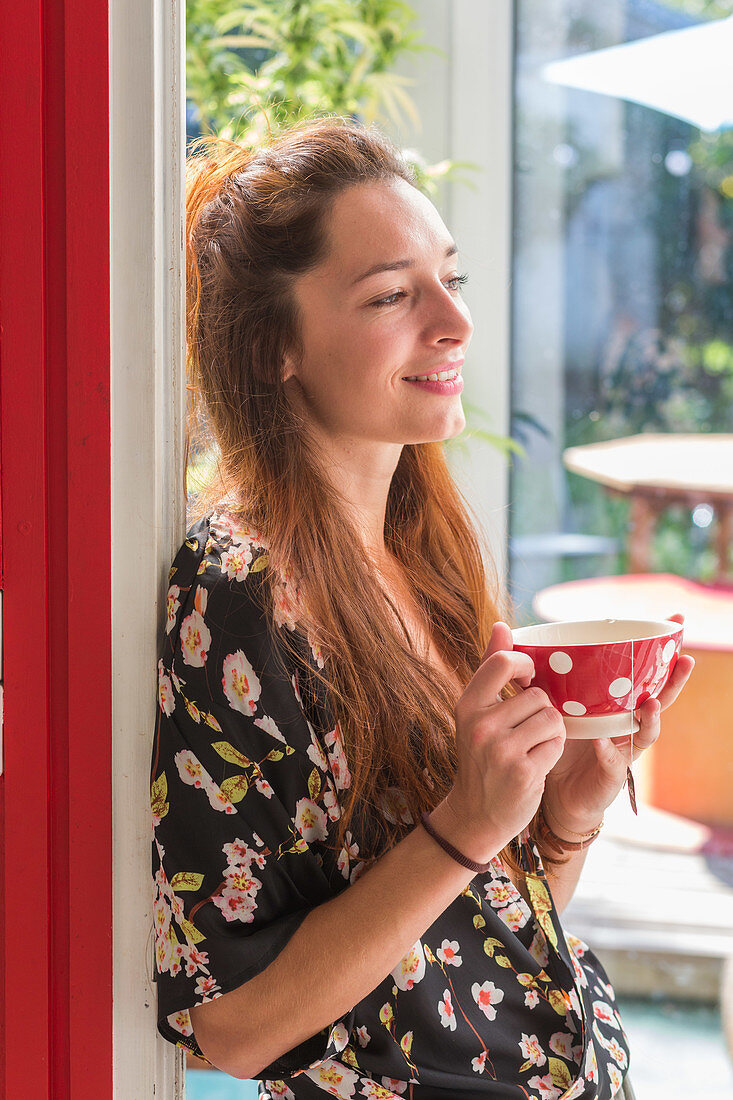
598	671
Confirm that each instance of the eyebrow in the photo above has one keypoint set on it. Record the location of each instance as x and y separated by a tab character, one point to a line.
397	265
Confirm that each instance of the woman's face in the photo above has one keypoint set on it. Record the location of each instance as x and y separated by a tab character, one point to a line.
365	334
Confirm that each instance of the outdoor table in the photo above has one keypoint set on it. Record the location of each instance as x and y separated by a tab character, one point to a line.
689	771
659	470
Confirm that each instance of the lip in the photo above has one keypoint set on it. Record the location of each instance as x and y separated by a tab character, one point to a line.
445	388
453	364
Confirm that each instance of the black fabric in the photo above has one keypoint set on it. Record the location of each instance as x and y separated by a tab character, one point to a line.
248	773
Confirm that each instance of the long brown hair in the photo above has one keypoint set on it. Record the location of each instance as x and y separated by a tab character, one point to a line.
256	219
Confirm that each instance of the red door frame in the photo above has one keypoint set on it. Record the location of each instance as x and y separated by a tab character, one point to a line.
55	794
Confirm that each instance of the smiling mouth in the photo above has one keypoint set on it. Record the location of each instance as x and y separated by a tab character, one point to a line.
442	376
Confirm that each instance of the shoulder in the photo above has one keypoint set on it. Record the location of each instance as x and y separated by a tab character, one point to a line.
215	580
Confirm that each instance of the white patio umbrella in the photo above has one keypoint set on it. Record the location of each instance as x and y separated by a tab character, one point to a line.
687	73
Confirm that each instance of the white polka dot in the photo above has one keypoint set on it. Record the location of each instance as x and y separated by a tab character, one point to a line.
668	651
561	662
620	687
573	708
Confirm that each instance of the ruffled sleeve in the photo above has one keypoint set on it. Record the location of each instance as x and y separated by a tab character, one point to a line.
239	797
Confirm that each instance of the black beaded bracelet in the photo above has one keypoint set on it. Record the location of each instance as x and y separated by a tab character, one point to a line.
464	861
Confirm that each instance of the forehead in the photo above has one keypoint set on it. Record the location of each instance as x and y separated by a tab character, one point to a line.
371	223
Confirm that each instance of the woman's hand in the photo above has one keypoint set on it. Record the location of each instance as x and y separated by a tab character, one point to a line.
589	774
505	749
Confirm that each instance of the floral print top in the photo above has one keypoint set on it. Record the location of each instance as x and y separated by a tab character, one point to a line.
248	774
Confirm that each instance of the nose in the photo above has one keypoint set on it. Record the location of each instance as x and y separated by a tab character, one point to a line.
448	318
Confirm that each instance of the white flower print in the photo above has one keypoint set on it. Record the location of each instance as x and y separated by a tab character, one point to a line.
235	906
194	633
575	1090
579	972
363	1036
545	1087
334	1078
591	1064
195	960
486	996
189	769
238	852
411	968
604	1012
239	879
617	1051
561	1043
448	953
263	787
498	894
376	1091
330	801
207	988
236	561
165	691
181	1022
531	1050
615	1077
531	998
479	1064
310	820
240	683
348	852
513	916
279	1090
337	759
395	1085
357	872
269	726
195	775
393	804
317	651
315	753
338	1038
285	610
446	1011
172	603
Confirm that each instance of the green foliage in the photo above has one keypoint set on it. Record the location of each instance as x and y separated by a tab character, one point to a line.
256	66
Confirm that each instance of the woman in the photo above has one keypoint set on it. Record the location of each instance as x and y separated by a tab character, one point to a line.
356	792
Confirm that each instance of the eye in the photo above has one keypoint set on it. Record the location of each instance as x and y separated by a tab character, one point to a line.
391	299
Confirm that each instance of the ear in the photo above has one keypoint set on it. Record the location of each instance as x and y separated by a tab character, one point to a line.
287	368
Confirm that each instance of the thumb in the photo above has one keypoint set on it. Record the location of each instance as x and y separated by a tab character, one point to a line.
501	638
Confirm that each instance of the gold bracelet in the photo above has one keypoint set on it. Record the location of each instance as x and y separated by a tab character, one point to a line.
593	832
558	843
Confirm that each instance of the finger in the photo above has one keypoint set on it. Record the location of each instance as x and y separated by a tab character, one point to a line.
524	704
494	674
678	679
502	640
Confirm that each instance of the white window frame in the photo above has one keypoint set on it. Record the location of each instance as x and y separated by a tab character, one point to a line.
148	388
465	103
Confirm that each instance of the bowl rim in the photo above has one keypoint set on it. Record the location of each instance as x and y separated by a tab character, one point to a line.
675	628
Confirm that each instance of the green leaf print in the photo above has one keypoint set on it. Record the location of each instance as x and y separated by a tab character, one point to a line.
235	788
191	931
314	784
228	752
158	795
560	1073
186	880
